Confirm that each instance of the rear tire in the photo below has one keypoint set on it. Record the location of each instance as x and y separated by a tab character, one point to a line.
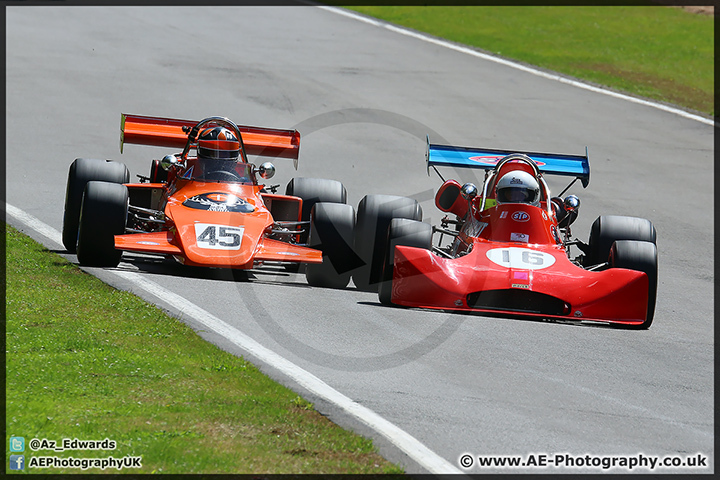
608	228
332	230
103	215
643	257
82	171
374	214
402	231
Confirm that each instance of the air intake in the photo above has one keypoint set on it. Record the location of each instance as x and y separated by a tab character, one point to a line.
517	300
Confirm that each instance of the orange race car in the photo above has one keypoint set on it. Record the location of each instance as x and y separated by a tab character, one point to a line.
208	209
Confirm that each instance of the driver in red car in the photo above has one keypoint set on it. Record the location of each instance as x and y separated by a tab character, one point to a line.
517	187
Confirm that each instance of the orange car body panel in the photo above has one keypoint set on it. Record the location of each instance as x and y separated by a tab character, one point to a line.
203	237
213	223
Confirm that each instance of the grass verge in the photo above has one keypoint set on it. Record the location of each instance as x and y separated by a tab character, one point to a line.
85	361
657	52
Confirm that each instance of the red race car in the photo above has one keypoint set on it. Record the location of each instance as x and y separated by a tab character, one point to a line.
509	252
208	209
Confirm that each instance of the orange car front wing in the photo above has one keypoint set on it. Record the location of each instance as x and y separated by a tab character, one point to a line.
267	250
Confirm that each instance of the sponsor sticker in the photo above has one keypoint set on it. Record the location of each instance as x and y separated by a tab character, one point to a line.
521	275
520	216
188	173
219	202
519	237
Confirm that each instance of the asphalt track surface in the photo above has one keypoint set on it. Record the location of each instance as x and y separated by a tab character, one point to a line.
364	97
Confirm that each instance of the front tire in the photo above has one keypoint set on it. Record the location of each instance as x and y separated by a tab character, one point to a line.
103	215
314	190
332	230
82	171
374	214
608	228
405	232
642	257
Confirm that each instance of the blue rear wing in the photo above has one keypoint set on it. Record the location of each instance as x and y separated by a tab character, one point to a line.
577	166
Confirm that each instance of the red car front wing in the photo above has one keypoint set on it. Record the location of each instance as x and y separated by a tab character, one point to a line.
523	280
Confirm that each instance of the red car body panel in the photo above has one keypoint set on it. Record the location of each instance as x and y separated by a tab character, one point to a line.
517	266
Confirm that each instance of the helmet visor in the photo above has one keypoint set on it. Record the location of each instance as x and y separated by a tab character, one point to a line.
218	149
516	195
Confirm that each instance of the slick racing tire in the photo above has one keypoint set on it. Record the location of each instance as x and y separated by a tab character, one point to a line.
312	191
643	257
332	226
405	232
103	215
82	171
608	228
374	214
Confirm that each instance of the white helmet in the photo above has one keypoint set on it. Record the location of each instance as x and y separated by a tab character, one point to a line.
517	187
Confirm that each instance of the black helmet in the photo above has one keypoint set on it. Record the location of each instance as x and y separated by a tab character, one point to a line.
218	143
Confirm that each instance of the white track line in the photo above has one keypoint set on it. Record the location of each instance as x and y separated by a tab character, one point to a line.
469	51
398	437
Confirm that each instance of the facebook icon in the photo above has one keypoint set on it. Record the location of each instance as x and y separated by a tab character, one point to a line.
17	462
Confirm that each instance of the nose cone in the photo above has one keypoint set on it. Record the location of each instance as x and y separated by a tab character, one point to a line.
217	228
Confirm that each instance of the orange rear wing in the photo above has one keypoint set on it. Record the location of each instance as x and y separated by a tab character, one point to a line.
173	133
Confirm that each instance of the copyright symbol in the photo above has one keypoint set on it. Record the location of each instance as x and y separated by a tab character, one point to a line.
466	461
34	444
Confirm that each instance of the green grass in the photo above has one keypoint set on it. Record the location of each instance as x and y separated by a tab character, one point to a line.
657	52
86	361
